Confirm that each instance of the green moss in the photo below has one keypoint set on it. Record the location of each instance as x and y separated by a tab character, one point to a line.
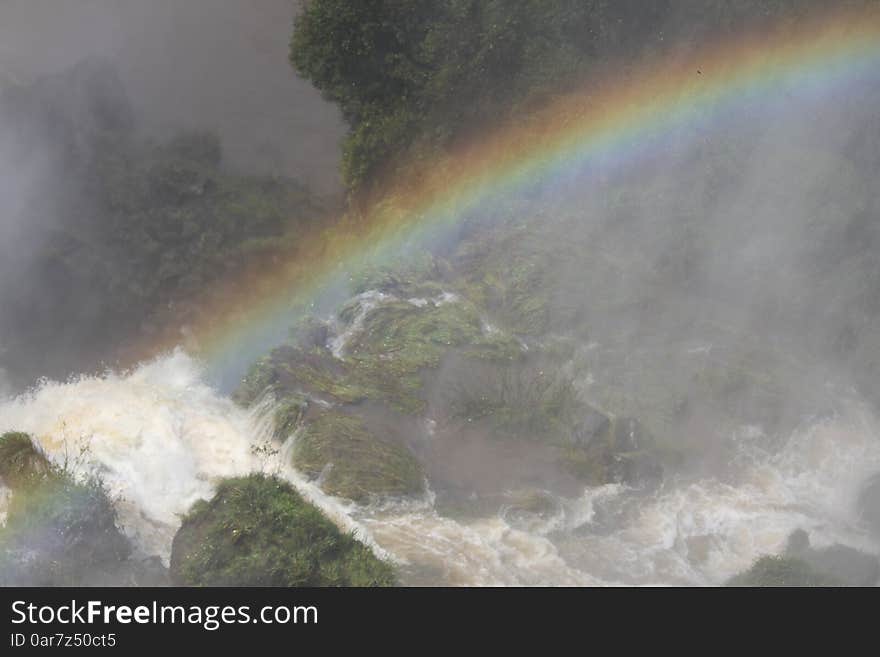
508	271
287	416
399	341
21	463
352	462
413	275
318	372
781	571
256	382
258	531
385	361
517	399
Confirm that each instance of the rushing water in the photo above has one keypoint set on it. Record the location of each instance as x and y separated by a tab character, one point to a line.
161	438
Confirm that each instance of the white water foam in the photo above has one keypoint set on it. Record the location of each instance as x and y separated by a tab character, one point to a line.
161	438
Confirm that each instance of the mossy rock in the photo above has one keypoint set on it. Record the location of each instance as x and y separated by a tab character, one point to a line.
386	360
411	275
515	399
60	532
781	571
258	531
287	416
352	462
310	332
22	464
258	380
842	563
508	271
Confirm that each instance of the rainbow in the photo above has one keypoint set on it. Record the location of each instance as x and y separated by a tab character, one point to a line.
614	121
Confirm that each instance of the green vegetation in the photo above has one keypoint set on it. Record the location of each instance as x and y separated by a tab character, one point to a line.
258	531
781	571
288	416
131	237
385	360
354	463
520	400
412	76
400	69
58	531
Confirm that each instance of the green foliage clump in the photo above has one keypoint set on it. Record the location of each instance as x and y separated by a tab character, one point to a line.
58	531
404	69
412	76
258	531
781	571
354	463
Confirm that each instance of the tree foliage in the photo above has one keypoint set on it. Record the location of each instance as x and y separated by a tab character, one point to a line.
412	75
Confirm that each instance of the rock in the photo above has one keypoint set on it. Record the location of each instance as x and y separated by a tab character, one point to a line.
623	452
636	458
312	333
351	462
631	436
802	565
781	571
258	531
846	565
287	417
593	425
21	463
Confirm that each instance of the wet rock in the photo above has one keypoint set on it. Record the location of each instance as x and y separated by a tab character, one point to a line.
773	571
630	436
313	333
21	463
593	425
839	562
352	462
625	452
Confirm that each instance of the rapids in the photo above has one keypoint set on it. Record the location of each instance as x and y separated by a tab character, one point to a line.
161	437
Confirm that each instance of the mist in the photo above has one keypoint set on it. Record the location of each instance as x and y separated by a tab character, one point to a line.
197	64
654	369
77	75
